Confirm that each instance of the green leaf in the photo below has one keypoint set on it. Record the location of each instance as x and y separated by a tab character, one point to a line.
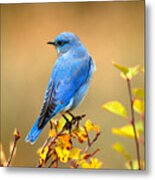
127	73
140	126
123	69
138	93
116	108
119	148
133	71
125	131
138	106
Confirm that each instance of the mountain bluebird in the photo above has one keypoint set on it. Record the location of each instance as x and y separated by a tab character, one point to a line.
68	83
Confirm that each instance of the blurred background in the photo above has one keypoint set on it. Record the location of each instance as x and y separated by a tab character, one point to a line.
111	31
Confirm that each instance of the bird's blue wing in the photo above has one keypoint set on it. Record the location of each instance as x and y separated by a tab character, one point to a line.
61	88
70	83
63	84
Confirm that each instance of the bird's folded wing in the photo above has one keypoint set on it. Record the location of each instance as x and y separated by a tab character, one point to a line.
71	83
60	90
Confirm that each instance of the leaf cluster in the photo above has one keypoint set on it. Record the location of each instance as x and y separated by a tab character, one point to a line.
135	127
60	147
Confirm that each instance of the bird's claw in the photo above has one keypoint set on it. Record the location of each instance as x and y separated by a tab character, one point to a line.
77	119
68	126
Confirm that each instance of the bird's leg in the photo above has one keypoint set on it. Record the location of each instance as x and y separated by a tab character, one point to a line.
76	119
73	117
51	125
68	124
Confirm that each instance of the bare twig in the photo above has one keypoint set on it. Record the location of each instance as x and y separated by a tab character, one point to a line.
11	154
133	123
45	143
92	154
88	139
91	142
16	138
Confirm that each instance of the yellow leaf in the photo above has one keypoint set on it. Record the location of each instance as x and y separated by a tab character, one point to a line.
93	164
127	73
133	71
119	148
123	69
90	126
126	131
63	154
39	151
74	153
138	106
64	141
138	93
43	153
80	134
116	108
68	117
59	124
52	132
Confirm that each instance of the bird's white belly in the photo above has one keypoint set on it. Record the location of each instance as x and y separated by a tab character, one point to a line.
78	97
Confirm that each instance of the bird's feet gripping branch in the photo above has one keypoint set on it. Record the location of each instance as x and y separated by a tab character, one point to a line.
74	121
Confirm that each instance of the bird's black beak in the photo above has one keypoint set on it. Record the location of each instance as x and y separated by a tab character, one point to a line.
51	43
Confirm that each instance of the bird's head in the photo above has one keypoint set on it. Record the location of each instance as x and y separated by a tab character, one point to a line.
65	41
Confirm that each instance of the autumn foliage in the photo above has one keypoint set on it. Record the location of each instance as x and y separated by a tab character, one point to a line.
60	146
135	127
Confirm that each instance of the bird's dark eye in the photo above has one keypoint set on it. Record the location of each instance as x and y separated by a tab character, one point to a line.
60	43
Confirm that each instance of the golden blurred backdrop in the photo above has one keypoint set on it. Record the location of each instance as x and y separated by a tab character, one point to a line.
111	31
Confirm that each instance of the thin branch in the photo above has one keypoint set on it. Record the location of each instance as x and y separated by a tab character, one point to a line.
91	142
13	150
133	123
54	161
45	144
51	164
88	139
49	142
92	154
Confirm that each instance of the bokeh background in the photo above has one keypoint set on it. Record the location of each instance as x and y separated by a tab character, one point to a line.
111	31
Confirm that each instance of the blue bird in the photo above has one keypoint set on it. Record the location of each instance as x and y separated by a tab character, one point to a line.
68	83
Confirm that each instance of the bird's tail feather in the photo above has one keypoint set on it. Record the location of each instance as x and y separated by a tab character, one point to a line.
35	131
